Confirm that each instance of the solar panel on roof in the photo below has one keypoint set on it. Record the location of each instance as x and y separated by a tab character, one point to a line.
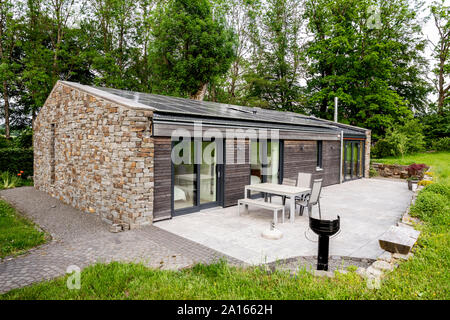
214	110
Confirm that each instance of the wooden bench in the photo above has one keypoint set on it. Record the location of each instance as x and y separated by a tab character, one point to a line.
262	204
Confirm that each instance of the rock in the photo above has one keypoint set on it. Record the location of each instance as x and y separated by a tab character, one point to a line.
385	256
114	228
361	271
371	271
382	265
404	174
400	256
323	273
399	239
272	234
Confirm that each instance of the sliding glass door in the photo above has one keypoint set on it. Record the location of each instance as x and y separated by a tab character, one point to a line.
265	165
196	175
353	159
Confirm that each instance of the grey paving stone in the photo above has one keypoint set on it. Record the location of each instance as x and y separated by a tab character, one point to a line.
82	239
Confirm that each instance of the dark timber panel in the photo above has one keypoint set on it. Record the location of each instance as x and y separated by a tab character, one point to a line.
301	156
237	175
162	179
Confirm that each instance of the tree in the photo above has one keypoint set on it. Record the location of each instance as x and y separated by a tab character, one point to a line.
278	59
9	26
240	16
441	15
369	54
191	47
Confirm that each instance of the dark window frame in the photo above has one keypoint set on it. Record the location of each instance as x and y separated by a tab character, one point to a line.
220	169
319	154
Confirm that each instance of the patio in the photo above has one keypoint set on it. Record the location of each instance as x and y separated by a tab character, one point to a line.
367	207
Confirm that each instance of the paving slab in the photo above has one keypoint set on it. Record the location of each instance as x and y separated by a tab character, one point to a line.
367	207
82	239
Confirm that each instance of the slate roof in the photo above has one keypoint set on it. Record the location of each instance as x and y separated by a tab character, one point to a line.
185	110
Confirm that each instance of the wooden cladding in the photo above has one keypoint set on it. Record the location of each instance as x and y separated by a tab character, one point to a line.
301	156
237	170
298	156
162	203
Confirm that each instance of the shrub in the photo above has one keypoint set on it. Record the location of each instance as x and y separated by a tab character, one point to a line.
24	140
442	144
428	204
9	180
373	173
438	188
401	140
4	143
416	170
382	149
16	160
425	182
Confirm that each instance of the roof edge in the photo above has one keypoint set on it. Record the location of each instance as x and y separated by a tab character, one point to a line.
107	96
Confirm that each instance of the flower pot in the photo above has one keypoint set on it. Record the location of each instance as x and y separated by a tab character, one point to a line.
411	182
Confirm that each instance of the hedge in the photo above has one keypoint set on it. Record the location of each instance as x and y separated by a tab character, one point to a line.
15	160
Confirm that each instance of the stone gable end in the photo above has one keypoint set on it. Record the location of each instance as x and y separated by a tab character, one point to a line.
95	155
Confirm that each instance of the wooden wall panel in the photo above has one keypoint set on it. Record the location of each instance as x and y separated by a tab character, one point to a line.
162	179
301	156
237	175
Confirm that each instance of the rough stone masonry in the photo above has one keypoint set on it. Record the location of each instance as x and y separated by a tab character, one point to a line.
95	155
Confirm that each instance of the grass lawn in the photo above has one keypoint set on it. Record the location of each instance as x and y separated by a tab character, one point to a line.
17	234
439	161
425	276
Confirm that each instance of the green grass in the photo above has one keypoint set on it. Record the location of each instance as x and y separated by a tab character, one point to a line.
439	161
425	276
17	234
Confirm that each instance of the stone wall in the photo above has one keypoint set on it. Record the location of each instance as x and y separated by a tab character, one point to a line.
391	170
95	155
367	153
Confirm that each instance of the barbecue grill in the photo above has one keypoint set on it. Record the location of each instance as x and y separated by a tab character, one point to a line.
324	229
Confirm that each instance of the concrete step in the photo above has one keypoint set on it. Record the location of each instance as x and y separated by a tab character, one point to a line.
399	239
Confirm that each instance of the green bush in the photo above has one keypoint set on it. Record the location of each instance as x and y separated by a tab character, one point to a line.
373	173
401	140
24	140
428	204
4	143
442	144
438	188
15	160
382	149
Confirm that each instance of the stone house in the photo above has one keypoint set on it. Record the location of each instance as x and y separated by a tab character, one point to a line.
110	152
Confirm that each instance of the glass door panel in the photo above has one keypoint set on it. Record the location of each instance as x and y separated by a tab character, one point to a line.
185	176
353	156
348	161
355	159
208	176
256	174
273	162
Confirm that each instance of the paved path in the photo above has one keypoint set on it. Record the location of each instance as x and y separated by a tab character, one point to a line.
82	239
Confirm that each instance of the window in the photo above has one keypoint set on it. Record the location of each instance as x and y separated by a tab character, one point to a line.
319	154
